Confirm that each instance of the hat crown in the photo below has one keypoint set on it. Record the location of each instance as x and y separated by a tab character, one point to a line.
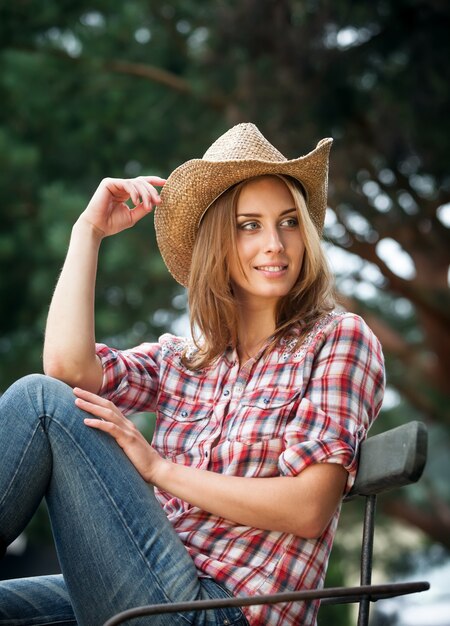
243	142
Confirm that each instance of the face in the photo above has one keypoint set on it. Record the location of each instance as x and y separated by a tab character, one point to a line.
269	243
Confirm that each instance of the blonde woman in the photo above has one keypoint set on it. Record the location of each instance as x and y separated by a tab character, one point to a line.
259	415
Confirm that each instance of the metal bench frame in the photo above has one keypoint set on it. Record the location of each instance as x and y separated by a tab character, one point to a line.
389	460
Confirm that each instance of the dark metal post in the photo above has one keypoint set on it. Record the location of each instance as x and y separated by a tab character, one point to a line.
366	557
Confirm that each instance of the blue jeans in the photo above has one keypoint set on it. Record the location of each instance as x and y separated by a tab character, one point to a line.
115	545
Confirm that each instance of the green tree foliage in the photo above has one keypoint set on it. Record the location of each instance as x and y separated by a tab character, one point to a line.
66	121
90	90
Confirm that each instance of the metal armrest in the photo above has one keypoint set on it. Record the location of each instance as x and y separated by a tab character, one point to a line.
391	459
338	594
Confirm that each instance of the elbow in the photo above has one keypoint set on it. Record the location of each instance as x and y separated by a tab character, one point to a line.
64	371
53	364
314	530
314	526
57	369
52	367
86	375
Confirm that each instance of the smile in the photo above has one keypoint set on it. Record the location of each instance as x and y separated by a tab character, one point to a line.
271	268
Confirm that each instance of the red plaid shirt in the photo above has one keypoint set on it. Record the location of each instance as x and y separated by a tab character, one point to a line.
275	416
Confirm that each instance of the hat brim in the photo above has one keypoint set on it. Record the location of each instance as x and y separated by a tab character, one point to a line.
194	185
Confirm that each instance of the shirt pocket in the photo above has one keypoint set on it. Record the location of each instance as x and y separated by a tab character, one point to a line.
263	414
180	425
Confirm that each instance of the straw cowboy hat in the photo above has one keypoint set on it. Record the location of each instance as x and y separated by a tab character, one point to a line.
241	153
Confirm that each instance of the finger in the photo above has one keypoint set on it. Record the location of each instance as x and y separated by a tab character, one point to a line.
106	427
134	192
144	193
128	189
98	406
121	189
103	413
135	188
138	213
148	194
155	180
98	424
92	397
147	189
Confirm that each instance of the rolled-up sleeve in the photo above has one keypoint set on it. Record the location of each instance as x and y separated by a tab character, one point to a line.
342	397
130	377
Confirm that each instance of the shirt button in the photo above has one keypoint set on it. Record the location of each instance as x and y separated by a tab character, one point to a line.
226	392
184	413
266	400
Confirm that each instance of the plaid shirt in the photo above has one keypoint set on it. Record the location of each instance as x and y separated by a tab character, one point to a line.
275	416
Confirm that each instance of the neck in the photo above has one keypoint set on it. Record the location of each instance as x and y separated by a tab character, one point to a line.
255	327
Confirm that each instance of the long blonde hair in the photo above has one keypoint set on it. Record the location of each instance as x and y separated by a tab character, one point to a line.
212	305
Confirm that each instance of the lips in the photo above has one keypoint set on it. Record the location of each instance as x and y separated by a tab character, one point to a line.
271	268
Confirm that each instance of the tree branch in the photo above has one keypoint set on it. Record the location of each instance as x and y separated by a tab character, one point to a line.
416	293
419	382
139	70
434	523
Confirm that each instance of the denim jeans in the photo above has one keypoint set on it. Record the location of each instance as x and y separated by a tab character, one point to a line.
115	545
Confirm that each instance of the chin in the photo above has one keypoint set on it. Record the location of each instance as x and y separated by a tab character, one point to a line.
273	294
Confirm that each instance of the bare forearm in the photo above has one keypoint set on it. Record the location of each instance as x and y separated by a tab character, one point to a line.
69	348
302	505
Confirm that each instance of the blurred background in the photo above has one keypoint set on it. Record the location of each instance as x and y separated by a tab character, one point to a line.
99	88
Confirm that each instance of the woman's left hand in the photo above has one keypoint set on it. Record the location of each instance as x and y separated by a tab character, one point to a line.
110	420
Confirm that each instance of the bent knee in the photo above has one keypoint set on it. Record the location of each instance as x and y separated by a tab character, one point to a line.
40	381
36	387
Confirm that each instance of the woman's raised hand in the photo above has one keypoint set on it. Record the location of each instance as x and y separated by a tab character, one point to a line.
108	210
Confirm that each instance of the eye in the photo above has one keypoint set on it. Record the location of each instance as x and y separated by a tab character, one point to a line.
290	222
248	226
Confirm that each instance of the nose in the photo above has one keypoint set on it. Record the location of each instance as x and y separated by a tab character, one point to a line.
273	242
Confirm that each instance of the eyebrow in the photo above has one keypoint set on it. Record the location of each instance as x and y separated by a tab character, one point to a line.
259	214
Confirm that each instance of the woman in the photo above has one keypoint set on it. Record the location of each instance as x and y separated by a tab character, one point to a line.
259	417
